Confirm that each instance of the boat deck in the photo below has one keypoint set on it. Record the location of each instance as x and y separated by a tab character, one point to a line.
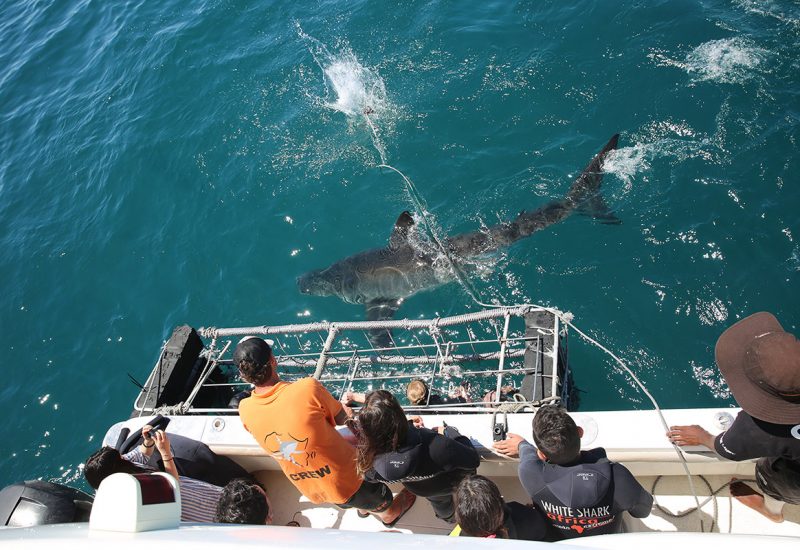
641	446
721	514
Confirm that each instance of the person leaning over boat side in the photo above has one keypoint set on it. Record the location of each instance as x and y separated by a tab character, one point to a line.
429	463
244	501
482	512
761	364
582	493
296	424
198	498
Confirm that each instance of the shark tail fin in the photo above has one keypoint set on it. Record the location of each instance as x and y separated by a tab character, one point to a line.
585	192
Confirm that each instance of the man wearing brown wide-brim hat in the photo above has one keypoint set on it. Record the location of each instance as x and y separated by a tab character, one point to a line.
761	364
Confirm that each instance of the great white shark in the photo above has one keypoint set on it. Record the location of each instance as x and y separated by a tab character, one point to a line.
382	278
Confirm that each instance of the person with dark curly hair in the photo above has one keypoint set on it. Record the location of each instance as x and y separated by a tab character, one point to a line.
192	459
429	463
296	424
482	512
198	498
244	501
107	461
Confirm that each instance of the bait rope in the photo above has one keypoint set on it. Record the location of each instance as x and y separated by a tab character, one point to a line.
421	206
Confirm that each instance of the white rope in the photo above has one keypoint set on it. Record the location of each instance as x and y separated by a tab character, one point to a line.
420	204
473	294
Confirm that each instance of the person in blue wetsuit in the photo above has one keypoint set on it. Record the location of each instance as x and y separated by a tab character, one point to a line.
581	493
429	463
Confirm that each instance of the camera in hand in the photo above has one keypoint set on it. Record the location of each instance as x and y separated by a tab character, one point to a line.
499	432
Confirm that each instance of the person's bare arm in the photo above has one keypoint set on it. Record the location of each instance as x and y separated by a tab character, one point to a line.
162	442
353	397
148	444
689	436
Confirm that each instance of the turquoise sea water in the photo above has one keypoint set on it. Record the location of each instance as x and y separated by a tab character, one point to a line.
183	162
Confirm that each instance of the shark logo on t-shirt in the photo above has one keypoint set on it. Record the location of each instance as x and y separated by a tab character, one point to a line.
287	447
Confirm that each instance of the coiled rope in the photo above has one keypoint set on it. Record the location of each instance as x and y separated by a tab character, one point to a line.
712	497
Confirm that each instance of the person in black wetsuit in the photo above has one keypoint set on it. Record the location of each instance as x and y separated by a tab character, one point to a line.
482	512
429	463
582	493
761	364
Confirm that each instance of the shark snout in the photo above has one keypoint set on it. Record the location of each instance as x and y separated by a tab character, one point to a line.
313	283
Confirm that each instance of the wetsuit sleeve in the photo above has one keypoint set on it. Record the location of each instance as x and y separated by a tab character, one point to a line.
530	469
453	451
629	494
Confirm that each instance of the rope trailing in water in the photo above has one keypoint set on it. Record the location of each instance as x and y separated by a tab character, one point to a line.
473	294
420	205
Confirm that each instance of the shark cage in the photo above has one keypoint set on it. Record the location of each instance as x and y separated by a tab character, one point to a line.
508	358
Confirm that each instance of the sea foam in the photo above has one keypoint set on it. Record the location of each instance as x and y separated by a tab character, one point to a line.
728	61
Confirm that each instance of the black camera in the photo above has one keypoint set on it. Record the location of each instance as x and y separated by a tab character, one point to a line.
499	429
499	432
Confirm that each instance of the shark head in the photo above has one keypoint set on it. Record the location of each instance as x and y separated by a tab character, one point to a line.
316	283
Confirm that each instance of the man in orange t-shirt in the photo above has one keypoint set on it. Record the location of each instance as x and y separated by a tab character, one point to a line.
296	424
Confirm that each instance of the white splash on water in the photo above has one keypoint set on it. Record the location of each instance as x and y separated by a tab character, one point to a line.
728	61
353	89
656	140
626	162
356	90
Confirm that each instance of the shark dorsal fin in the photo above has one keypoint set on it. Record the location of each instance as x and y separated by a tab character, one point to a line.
401	228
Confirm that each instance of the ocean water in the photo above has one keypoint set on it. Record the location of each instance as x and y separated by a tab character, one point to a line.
183	162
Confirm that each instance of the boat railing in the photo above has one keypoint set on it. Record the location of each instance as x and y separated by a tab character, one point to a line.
519	347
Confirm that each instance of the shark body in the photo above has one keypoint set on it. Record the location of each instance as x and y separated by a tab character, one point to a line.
382	278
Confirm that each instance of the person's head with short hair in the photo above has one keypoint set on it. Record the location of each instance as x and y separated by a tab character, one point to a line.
381	427
556	435
480	509
255	361
108	461
417	392
243	501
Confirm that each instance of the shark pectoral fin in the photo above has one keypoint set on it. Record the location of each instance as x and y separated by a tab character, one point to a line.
402	226
381	310
596	207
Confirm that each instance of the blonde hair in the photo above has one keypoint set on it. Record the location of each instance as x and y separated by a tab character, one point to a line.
417	392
